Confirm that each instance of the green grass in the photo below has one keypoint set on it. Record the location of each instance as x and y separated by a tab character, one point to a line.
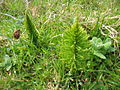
50	51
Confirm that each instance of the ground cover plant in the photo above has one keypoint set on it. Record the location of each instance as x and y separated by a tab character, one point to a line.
63	44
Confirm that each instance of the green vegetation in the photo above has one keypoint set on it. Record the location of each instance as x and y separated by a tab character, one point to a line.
56	50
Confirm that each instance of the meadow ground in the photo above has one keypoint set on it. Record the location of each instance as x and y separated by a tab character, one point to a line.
63	44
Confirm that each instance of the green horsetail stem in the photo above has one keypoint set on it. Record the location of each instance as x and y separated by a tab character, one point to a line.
32	32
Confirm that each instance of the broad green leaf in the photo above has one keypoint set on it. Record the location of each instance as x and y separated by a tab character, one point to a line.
107	40
97	43
107	45
7	63
100	55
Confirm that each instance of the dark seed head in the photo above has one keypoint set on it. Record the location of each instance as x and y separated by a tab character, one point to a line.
16	34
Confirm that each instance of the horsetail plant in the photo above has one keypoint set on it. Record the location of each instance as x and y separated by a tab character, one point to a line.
32	31
74	50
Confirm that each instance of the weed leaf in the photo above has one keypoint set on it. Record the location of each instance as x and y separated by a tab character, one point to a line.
100	55
32	32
